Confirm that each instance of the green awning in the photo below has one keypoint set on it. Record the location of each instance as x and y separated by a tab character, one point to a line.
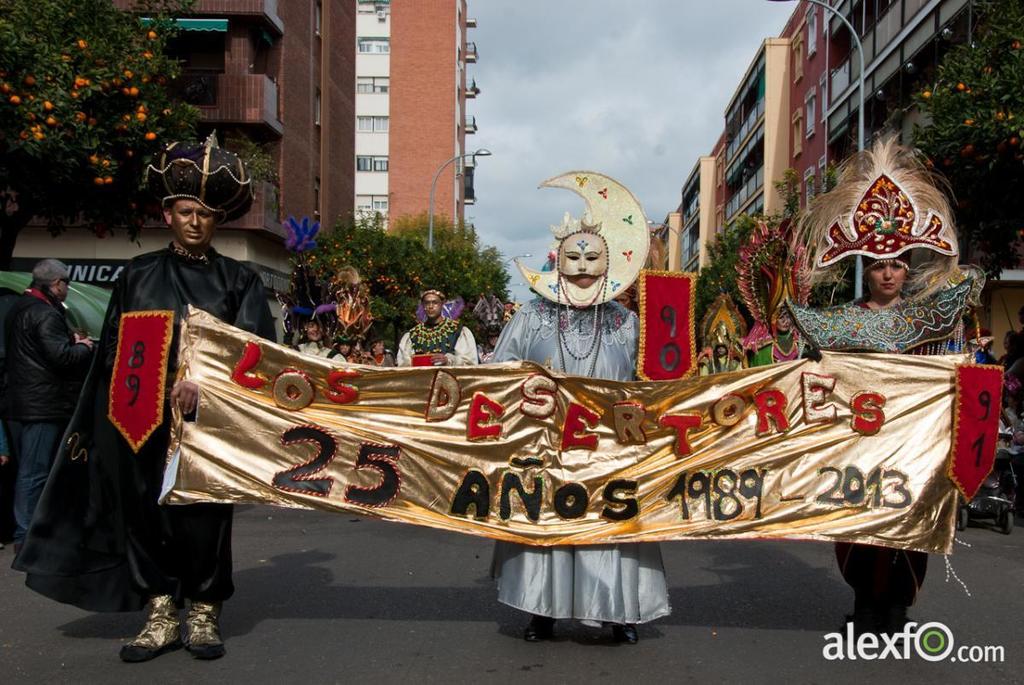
218	25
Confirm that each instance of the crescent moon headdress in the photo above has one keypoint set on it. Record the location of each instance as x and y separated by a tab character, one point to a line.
616	216
884	205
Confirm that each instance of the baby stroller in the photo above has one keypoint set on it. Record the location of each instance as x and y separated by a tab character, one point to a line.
995	499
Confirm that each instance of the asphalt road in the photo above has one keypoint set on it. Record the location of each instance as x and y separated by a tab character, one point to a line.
331	598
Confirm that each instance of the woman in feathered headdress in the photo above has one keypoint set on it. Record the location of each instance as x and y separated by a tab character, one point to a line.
887	209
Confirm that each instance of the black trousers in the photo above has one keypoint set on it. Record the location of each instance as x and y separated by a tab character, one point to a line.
881	577
178	550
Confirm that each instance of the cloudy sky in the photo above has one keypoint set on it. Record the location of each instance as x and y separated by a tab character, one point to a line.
636	90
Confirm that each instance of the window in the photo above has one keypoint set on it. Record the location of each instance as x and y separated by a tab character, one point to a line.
372	84
316	109
812	31
316	195
369	204
821	173
318	16
798	58
824	96
798	131
810	103
372	124
371	163
380	46
809	184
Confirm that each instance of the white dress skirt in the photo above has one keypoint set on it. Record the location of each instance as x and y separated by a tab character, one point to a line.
622	583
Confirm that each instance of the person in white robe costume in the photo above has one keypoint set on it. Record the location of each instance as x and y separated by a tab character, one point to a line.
577	328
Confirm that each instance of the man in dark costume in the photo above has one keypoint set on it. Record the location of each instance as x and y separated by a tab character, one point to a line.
100	540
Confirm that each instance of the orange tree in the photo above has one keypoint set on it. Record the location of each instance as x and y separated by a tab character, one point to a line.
974	136
397	267
84	104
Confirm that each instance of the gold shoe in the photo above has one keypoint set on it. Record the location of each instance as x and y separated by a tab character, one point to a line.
160	634
203	632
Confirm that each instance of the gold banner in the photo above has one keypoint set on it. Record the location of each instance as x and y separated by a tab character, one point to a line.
854	447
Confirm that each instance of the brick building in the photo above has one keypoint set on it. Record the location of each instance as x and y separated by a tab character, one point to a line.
411	93
280	76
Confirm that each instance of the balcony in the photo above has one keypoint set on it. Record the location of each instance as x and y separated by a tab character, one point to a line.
265	9
472	91
840	81
471	22
471	124
471	55
263	215
233	98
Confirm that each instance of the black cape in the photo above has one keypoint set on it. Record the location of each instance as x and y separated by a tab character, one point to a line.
75	551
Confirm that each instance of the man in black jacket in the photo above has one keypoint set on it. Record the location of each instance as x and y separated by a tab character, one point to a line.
46	363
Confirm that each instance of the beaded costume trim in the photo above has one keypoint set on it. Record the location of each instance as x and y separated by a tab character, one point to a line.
899	328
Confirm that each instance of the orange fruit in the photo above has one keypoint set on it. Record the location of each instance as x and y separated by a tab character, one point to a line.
926	94
107	180
79	116
105	164
147	55
39	135
151	35
92	121
98	181
141	116
82	45
128	73
14	100
29	80
1000	116
133	91
47	105
94	159
968	122
23	135
150	135
73	94
5	88
51	121
961	87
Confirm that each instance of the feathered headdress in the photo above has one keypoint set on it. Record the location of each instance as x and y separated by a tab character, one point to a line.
722	323
771	270
885	204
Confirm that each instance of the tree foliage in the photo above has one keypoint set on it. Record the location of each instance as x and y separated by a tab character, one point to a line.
397	266
84	104
976	112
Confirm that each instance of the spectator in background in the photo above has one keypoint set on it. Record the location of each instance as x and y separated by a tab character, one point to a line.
314	341
46	364
380	355
1014	349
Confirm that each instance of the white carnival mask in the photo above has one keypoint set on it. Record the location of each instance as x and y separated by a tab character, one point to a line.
600	255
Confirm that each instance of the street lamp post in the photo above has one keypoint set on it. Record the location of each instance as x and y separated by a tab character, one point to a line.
858	286
482	152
